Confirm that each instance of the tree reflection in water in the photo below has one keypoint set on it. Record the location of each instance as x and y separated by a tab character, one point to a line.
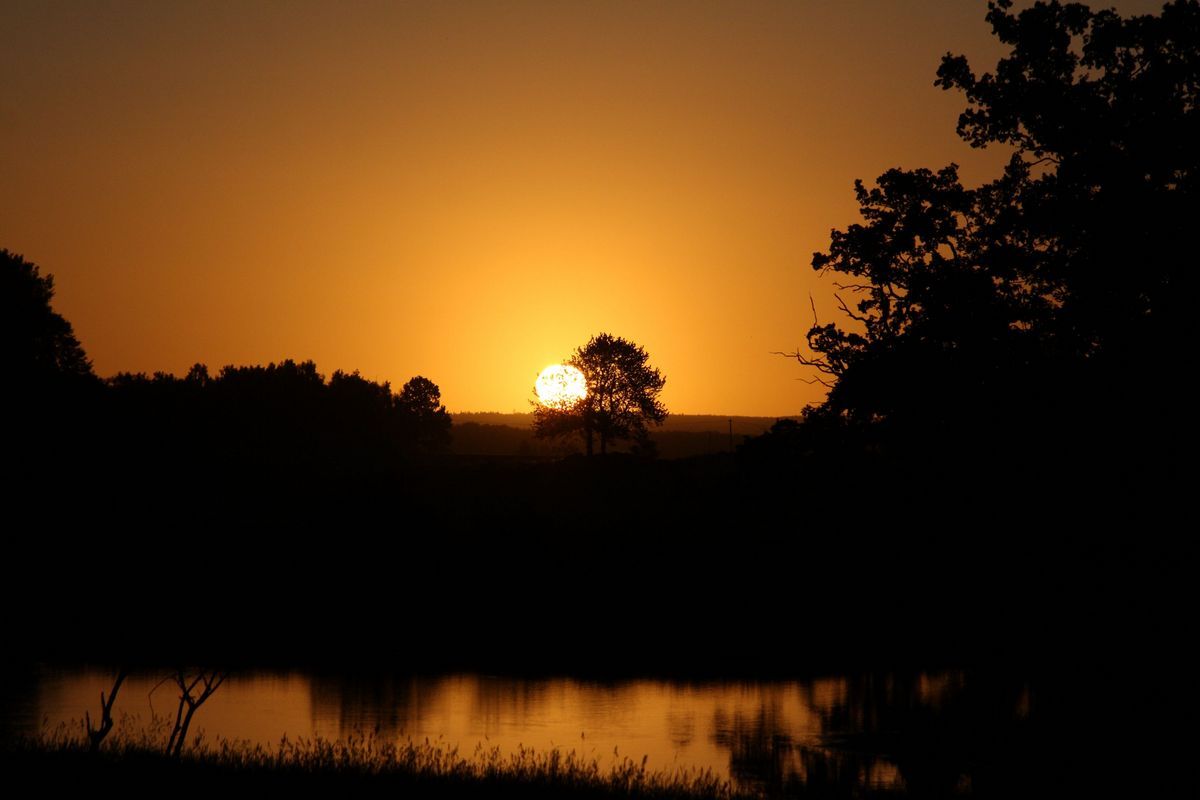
929	735
918	733
385	703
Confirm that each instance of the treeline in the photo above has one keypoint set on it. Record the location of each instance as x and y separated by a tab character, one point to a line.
75	439
281	420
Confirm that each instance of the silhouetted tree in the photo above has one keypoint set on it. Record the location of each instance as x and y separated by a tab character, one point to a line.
37	343
281	424
96	734
1102	113
941	330
423	415
360	421
194	690
1053	296
51	393
622	396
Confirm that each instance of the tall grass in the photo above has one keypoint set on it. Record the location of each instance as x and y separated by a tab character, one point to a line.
363	759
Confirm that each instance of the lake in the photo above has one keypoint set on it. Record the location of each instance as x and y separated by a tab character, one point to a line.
932	731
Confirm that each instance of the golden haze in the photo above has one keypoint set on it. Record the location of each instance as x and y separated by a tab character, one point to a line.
464	191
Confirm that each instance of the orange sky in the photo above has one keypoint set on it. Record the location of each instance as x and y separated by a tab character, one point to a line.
465	191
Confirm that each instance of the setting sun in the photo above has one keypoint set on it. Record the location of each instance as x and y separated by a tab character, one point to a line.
560	385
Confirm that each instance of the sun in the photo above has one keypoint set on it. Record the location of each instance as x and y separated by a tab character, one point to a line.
560	386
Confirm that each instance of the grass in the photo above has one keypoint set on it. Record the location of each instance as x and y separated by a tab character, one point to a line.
132	759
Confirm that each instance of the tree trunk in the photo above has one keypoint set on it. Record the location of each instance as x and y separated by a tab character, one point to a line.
96	735
211	681
183	730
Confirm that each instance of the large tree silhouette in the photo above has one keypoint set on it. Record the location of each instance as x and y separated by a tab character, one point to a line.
1055	295
1102	113
622	396
51	392
38	344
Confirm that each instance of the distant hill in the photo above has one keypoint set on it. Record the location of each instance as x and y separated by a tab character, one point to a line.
494	434
693	423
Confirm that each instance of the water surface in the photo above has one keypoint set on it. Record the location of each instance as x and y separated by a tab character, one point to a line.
921	729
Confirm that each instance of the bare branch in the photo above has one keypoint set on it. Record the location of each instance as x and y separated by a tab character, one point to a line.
1044	160
818	363
211	680
96	735
846	310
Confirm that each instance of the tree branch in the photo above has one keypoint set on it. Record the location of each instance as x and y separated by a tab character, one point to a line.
846	310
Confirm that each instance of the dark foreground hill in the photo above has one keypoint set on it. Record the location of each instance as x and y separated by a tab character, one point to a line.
713	565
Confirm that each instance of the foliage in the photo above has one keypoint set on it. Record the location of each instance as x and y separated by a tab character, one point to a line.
281	423
420	406
1107	106
38	344
51	390
1037	297
933	319
622	396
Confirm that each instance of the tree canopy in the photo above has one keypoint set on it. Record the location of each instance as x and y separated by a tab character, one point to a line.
425	418
1053	294
51	390
285	414
38	344
622	396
